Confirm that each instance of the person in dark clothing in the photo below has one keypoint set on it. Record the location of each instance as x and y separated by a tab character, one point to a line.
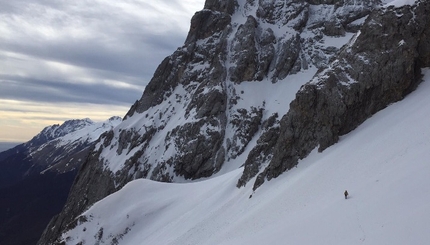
346	194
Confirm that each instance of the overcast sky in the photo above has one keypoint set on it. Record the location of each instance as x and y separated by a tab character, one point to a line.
62	59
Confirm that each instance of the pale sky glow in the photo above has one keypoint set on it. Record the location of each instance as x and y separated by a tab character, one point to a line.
62	60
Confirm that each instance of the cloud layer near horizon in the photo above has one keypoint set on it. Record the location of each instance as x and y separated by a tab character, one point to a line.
75	53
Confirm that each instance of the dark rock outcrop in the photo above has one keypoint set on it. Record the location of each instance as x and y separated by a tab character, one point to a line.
221	6
380	65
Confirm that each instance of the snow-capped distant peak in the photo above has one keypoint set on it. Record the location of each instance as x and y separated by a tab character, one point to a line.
90	132
58	142
57	130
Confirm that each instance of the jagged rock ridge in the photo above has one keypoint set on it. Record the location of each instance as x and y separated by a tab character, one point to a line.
198	113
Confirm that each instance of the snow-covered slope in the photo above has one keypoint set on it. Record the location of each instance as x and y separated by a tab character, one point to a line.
383	164
222	101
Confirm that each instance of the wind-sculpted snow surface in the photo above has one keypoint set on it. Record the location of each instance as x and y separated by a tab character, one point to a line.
222	100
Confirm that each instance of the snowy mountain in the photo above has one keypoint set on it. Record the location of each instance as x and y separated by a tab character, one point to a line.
52	149
383	164
57	130
40	172
258	88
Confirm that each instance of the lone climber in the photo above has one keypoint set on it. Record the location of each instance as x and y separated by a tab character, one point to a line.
346	194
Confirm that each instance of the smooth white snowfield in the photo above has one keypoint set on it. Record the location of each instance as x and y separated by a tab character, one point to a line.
384	165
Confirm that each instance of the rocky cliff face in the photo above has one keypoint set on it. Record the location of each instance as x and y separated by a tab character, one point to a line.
223	96
379	66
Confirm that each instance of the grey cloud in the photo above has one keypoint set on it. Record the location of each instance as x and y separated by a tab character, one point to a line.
111	45
27	89
139	62
135	53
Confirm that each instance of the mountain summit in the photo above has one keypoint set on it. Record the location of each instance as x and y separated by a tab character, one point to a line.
258	84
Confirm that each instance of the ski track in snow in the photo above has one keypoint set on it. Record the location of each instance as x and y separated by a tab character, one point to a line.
383	164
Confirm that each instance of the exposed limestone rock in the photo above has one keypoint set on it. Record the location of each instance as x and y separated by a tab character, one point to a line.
245	52
266	41
200	153
206	23
263	152
380	66
247	124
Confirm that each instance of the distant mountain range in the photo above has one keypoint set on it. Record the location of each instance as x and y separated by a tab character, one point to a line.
35	177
